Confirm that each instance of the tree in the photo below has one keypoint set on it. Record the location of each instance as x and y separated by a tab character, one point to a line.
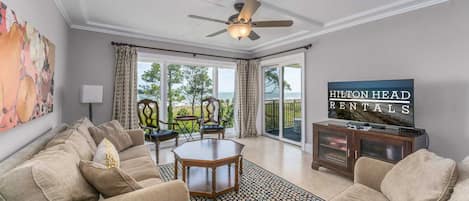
175	76
197	84
153	79
271	79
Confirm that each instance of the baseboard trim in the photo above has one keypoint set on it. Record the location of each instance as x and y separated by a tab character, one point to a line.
308	148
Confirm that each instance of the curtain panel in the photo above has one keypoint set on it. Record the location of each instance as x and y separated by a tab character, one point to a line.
124	108
247	86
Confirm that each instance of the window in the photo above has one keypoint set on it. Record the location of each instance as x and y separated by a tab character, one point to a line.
179	85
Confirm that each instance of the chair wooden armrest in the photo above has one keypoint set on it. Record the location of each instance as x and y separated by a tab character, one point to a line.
172	126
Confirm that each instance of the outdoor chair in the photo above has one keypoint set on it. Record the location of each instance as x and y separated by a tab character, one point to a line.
211	120
148	114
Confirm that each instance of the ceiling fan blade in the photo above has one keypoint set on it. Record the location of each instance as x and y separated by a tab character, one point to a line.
250	7
254	36
274	23
207	19
217	33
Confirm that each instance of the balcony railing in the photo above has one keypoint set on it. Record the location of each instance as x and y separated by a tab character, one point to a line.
291	115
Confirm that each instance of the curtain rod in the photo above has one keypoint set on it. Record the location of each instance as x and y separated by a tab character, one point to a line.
209	55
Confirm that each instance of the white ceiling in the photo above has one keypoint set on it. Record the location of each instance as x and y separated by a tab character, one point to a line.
166	20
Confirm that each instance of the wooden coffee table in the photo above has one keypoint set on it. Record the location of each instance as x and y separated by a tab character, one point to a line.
206	166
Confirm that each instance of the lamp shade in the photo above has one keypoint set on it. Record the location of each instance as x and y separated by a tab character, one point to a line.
91	94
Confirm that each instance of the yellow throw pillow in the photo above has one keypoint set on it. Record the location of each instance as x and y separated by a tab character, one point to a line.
106	154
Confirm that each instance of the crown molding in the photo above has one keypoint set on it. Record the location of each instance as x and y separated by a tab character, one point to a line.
329	27
156	38
332	28
60	6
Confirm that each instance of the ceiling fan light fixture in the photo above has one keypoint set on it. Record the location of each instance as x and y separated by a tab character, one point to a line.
239	31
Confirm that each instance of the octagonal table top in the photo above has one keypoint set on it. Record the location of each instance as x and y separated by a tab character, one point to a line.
208	150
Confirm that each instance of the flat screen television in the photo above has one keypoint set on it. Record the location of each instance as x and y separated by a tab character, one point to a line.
389	102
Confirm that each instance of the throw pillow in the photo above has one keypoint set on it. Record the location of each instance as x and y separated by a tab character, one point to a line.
420	176
114	132
108	181
106	154
461	189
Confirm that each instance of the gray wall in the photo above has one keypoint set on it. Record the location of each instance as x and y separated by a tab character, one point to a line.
430	45
92	62
45	17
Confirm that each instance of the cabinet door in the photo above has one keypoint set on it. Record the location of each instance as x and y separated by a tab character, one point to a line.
332	147
385	149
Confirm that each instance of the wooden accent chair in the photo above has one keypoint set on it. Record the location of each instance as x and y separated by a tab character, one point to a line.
148	115
211	120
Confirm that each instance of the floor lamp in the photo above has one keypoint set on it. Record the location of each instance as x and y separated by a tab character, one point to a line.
91	94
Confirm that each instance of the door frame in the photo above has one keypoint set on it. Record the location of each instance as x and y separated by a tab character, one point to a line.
278	63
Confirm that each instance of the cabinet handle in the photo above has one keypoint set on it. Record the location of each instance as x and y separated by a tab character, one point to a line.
356	154
348	153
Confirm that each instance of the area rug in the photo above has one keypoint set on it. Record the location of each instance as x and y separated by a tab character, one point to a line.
256	184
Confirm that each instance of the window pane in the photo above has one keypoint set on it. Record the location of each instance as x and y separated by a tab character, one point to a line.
187	86
271	100
226	91
292	102
148	80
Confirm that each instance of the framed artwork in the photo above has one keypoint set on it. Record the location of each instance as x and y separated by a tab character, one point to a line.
27	64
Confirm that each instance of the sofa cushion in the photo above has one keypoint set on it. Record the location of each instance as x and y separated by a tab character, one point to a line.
72	138
134	152
140	168
461	190
50	175
150	182
420	176
82	126
359	192
114	132
106	154
108	181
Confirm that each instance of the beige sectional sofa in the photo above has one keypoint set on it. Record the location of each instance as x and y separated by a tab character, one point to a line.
422	176
47	169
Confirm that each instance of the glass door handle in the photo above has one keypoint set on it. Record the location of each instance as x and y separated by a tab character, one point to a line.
356	154
348	153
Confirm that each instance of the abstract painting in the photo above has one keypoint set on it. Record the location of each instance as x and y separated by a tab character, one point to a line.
27	64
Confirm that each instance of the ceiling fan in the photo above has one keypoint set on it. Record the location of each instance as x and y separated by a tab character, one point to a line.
240	25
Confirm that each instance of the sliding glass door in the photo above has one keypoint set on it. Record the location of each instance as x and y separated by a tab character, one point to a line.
282	96
271	101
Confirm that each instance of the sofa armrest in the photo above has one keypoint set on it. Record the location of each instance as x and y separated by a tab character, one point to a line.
370	172
168	191
137	136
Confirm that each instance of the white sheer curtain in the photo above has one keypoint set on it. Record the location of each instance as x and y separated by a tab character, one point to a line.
247	96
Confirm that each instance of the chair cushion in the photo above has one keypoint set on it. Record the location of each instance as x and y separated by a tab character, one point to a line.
140	168
150	182
461	190
163	133
49	175
114	132
108	181
106	154
212	127
134	152
420	176
359	192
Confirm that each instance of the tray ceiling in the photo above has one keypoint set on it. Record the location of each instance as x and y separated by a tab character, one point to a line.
166	20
